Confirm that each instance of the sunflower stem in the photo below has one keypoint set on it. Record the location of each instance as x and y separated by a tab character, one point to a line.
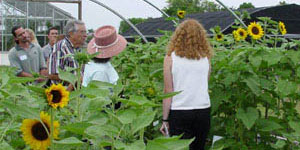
45	127
52	113
265	29
275	44
78	77
78	88
78	109
118	136
142	134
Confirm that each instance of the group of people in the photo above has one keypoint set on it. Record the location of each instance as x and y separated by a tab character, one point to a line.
186	69
29	58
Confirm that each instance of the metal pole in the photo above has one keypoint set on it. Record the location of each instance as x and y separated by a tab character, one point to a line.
53	14
54	1
119	15
164	13
27	15
239	19
2	26
80	10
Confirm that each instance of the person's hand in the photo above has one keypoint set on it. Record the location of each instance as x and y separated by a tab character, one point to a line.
70	88
164	129
39	80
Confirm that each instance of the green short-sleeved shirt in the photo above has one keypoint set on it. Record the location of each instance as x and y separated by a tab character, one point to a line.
31	60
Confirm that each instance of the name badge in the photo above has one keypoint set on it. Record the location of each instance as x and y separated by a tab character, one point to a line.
23	57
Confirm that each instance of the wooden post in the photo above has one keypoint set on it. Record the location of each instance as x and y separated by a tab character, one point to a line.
80	10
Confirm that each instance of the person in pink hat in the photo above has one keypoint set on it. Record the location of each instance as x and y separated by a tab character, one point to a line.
108	43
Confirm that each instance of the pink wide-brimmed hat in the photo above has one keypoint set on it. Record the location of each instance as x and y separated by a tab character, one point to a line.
107	42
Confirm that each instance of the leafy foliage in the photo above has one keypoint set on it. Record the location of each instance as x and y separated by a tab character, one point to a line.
262	91
91	120
246	5
191	6
254	90
124	26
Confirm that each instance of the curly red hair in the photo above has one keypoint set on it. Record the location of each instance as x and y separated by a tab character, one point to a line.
189	40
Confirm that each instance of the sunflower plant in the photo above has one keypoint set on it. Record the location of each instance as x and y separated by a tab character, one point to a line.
236	36
91	117
255	30
36	133
57	96
181	14
252	86
242	33
254	92
282	28
219	37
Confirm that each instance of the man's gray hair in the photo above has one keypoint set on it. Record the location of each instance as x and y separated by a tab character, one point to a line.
71	26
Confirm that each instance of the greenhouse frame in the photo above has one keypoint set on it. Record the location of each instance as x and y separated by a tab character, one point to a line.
33	14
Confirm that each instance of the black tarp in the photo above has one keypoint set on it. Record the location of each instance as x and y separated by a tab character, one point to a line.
289	14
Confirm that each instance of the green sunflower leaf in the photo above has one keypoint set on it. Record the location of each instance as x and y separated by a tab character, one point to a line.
71	141
67	76
248	117
21	110
5	146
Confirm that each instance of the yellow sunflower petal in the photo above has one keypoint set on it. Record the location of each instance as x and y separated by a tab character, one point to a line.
57	96
236	35
242	33
282	28
219	37
180	14
34	133
255	30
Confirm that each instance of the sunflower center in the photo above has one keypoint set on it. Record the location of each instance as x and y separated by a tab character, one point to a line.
219	36
242	33
255	30
56	96
38	131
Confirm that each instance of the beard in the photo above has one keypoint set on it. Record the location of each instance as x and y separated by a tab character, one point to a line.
23	40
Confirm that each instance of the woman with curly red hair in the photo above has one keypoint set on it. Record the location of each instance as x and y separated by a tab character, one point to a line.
186	69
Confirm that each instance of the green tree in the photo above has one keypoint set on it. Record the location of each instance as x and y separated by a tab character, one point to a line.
282	3
246	5
190	6
48	24
124	26
90	33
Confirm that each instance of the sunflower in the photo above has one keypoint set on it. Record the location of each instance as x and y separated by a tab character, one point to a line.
219	37
255	30
236	36
282	28
34	133
242	33
57	95
180	14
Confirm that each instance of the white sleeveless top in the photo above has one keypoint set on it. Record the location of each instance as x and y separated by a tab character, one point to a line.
191	77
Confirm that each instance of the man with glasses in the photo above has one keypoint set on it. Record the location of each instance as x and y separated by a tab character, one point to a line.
25	56
60	58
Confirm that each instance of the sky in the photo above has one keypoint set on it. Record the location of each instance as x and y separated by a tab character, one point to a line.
95	15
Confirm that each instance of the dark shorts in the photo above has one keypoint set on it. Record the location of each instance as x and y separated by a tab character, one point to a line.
191	123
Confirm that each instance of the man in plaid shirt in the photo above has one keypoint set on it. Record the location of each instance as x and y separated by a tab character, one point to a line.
75	32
